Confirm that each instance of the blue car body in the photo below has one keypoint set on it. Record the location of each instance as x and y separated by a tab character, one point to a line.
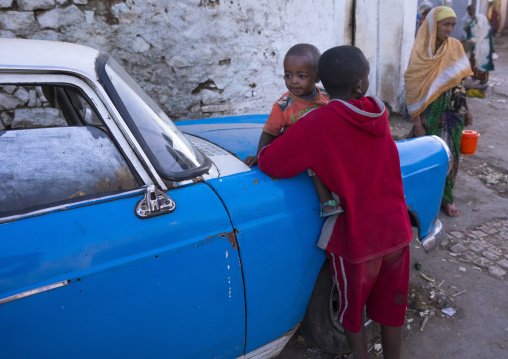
225	271
421	164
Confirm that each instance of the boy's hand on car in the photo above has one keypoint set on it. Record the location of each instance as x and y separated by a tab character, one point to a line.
251	160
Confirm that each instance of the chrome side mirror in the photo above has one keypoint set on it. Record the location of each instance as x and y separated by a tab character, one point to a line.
154	203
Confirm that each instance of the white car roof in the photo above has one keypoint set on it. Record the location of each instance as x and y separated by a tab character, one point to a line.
41	55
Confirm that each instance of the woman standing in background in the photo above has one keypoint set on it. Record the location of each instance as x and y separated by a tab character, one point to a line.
493	15
479	34
435	92
423	10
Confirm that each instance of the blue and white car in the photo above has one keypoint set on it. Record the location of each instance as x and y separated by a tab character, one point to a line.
124	235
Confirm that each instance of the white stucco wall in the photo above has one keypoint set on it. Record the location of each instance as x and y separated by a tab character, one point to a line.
503	13
367	37
200	58
385	30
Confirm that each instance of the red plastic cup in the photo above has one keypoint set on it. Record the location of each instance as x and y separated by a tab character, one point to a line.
469	142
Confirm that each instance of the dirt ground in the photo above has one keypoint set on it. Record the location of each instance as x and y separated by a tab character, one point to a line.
457	275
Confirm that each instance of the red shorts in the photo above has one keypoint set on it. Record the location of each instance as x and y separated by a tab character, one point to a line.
380	284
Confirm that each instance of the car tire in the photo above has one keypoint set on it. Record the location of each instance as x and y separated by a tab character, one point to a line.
320	326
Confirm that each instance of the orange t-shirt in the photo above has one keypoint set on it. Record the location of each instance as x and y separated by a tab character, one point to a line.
289	108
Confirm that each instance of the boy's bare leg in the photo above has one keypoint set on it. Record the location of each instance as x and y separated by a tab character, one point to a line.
357	343
323	193
391	338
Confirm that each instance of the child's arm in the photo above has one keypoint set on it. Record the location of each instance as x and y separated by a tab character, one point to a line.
322	191
264	140
328	205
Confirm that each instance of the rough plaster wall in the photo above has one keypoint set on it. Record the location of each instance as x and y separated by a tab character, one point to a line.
482	7
385	32
347	24
504	14
367	38
196	58
397	22
201	58
408	39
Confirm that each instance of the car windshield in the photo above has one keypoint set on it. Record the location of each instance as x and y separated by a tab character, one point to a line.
173	156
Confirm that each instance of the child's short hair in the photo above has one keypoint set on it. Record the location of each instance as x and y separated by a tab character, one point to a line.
306	49
341	67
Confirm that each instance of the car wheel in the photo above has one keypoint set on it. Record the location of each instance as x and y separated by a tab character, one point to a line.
320	325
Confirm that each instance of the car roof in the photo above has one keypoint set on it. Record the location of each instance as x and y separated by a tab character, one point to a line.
47	56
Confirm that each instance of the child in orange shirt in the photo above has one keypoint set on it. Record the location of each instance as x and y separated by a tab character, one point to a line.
300	76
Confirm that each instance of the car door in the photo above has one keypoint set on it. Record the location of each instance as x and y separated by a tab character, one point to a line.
278	227
82	274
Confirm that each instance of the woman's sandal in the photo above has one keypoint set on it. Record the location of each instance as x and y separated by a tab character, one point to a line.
450	210
331	203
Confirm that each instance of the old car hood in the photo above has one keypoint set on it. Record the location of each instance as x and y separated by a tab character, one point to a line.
238	134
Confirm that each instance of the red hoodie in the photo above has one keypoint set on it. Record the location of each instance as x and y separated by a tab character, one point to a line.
349	147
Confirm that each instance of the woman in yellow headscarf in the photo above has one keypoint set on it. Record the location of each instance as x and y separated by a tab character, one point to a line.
435	93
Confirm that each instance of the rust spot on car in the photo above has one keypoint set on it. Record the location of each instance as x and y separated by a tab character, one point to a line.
256	181
231	236
198	180
274	178
169	184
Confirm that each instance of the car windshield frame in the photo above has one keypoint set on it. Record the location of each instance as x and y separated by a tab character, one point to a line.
170	152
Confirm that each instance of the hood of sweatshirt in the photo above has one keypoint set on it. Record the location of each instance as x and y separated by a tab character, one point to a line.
366	113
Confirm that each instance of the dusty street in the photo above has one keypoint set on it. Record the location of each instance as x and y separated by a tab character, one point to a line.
468	273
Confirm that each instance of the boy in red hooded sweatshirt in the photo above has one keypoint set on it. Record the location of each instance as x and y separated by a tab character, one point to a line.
348	144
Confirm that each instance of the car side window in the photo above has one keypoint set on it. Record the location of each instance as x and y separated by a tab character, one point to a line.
55	152
45	106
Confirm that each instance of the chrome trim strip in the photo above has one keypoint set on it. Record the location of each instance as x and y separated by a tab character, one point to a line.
448	152
72	205
432	240
34	291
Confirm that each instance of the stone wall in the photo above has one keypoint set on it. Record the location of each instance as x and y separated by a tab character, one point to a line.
202	58
26	107
196	58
